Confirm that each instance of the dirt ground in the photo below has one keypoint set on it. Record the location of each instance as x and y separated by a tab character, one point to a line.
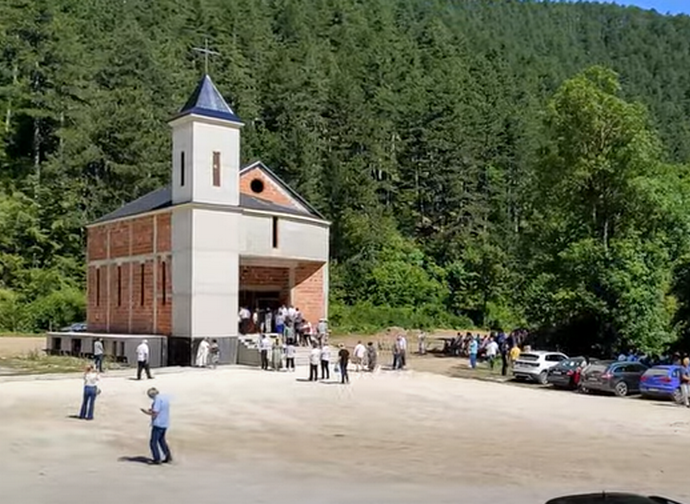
247	436
11	346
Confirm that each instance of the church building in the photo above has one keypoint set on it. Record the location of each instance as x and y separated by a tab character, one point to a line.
180	261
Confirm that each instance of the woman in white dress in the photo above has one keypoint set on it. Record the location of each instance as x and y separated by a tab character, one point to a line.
202	353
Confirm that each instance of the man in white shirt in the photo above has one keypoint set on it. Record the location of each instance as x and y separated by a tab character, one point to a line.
358	356
265	346
143	359
322	330
244	315
491	352
325	362
403	351
314	359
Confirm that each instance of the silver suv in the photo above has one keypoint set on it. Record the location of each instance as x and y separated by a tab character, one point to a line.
535	365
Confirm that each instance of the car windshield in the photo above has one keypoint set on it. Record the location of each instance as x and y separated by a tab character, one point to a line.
529	357
570	363
600	367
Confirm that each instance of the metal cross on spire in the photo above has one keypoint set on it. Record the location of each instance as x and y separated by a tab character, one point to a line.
206	52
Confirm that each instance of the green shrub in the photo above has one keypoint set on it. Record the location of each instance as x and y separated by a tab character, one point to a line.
366	318
57	309
13	313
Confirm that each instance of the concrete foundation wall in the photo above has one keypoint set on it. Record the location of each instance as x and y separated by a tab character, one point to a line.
120	348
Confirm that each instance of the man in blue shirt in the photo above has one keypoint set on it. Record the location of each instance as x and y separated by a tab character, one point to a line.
474	349
160	421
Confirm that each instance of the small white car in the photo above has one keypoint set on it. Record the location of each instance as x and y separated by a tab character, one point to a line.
535	365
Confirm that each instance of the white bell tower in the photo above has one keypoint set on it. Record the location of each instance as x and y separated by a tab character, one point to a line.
206	221
206	149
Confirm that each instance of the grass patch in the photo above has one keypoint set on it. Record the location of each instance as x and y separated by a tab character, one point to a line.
481	372
38	363
22	335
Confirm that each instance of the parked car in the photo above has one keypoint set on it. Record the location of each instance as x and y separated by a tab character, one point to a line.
566	374
610	498
662	382
618	377
78	327
535	365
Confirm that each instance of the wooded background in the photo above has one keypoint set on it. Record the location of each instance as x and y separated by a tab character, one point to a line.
484	163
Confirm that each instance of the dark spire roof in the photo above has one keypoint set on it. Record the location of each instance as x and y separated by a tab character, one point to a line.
207	101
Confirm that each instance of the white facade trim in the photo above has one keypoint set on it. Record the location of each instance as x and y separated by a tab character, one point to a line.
119	261
224	208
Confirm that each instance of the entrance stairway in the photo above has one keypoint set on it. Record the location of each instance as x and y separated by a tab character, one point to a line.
248	351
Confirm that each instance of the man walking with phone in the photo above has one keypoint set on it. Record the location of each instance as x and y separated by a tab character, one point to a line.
160	421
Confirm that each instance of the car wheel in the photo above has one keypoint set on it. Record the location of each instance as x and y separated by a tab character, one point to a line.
543	376
621	389
678	396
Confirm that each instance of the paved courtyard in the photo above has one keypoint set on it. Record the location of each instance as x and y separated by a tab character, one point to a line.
246	436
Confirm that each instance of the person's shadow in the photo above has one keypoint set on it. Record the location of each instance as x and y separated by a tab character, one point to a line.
137	459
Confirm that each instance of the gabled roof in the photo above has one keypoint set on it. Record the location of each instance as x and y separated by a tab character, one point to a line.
283	184
155	200
162	198
207	101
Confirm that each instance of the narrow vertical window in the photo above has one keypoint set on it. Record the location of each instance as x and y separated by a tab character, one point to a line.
182	168
164	281
275	232
216	169
98	286
142	270
119	286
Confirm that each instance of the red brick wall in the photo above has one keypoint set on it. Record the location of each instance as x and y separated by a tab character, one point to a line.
119	311
163	243
142	235
164	309
265	276
97	243
97	302
119	238
142	297
308	295
128	239
271	191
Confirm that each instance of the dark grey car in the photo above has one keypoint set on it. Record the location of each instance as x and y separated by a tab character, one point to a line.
618	377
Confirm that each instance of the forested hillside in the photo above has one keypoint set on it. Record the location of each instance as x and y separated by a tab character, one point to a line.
473	173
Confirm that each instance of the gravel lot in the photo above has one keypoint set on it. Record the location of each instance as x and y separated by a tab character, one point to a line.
246	436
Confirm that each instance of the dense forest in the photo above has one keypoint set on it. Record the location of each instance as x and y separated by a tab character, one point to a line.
485	163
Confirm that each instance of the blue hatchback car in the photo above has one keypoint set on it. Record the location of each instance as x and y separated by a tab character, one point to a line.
662	382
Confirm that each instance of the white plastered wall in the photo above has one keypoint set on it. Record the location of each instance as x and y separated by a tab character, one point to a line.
199	137
215	283
210	137
182	137
297	239
205	272
182	270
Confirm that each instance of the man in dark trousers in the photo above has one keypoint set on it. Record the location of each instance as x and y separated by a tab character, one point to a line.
143	360
265	346
343	361
98	354
504	348
160	421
